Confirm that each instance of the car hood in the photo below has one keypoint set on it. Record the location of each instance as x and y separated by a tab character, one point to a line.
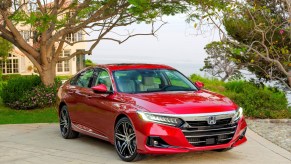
201	101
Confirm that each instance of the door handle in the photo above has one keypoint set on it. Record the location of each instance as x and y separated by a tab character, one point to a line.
89	96
71	91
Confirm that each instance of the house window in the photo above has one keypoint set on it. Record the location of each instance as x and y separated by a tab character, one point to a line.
25	34
69	37
10	65
64	66
79	35
75	37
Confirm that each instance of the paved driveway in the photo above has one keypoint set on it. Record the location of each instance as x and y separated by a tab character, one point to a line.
42	143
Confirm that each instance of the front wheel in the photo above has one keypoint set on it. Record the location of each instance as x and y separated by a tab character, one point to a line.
65	124
125	140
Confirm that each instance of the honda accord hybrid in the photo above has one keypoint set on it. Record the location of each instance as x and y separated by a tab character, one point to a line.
148	109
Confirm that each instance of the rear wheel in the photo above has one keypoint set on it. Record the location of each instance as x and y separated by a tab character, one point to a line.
65	124
125	141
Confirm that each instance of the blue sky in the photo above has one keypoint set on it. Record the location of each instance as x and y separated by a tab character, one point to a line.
177	45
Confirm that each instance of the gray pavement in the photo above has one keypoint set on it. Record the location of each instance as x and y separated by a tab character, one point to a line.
42	143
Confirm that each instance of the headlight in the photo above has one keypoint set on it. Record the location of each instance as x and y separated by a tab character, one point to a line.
238	114
161	119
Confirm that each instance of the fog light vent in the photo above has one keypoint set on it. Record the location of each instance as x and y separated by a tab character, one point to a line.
153	141
243	134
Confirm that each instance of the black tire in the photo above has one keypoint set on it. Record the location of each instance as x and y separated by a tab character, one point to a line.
65	124
223	150
125	141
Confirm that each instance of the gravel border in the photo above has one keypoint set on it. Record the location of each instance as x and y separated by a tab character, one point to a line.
277	131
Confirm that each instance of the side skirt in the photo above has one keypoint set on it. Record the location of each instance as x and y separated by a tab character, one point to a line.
88	132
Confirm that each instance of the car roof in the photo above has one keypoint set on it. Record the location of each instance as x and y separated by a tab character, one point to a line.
130	66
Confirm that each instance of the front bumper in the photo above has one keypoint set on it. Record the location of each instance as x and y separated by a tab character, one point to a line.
176	139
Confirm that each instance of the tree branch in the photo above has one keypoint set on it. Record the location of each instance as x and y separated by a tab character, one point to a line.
152	33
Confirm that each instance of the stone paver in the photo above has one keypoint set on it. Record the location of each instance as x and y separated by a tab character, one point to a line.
277	131
42	143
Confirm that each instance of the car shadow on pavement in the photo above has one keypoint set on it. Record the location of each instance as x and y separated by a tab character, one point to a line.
203	156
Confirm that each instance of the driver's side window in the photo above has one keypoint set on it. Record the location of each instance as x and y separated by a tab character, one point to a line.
104	78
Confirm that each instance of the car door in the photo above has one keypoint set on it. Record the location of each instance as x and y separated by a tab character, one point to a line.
102	113
80	90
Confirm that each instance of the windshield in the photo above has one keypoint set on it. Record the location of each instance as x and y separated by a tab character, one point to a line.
151	80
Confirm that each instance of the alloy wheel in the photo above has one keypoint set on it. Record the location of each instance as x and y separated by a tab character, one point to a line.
64	122
125	140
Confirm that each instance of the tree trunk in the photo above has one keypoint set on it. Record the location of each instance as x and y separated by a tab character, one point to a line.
48	74
225	77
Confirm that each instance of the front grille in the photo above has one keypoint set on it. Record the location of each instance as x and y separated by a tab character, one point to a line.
199	133
204	123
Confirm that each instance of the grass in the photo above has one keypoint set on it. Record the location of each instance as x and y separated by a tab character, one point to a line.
10	116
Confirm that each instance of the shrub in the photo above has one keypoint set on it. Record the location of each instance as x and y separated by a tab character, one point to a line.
39	97
257	100
64	77
27	92
1	75
10	76
213	84
14	89
1	85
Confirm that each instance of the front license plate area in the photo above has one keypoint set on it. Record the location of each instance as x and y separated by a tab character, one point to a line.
210	141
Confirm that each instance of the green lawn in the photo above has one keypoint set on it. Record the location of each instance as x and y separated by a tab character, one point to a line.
10	116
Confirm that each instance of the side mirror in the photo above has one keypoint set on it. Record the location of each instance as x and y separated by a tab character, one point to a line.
101	88
199	84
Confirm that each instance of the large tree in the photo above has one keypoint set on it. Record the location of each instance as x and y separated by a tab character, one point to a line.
261	30
222	61
51	22
264	28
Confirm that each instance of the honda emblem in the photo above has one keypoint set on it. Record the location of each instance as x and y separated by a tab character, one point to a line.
211	120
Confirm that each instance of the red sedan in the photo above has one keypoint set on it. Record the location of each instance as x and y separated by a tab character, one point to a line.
148	109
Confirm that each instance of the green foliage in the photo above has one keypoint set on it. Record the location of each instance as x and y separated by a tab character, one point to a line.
14	89
5	48
63	77
10	76
40	97
264	27
257	100
221	60
147	11
89	63
27	92
140	10
1	85
1	75
212	84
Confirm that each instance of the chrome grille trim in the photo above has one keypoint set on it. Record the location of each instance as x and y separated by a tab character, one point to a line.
208	135
200	133
200	116
231	127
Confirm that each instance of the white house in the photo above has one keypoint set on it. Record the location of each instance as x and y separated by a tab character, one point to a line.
18	63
